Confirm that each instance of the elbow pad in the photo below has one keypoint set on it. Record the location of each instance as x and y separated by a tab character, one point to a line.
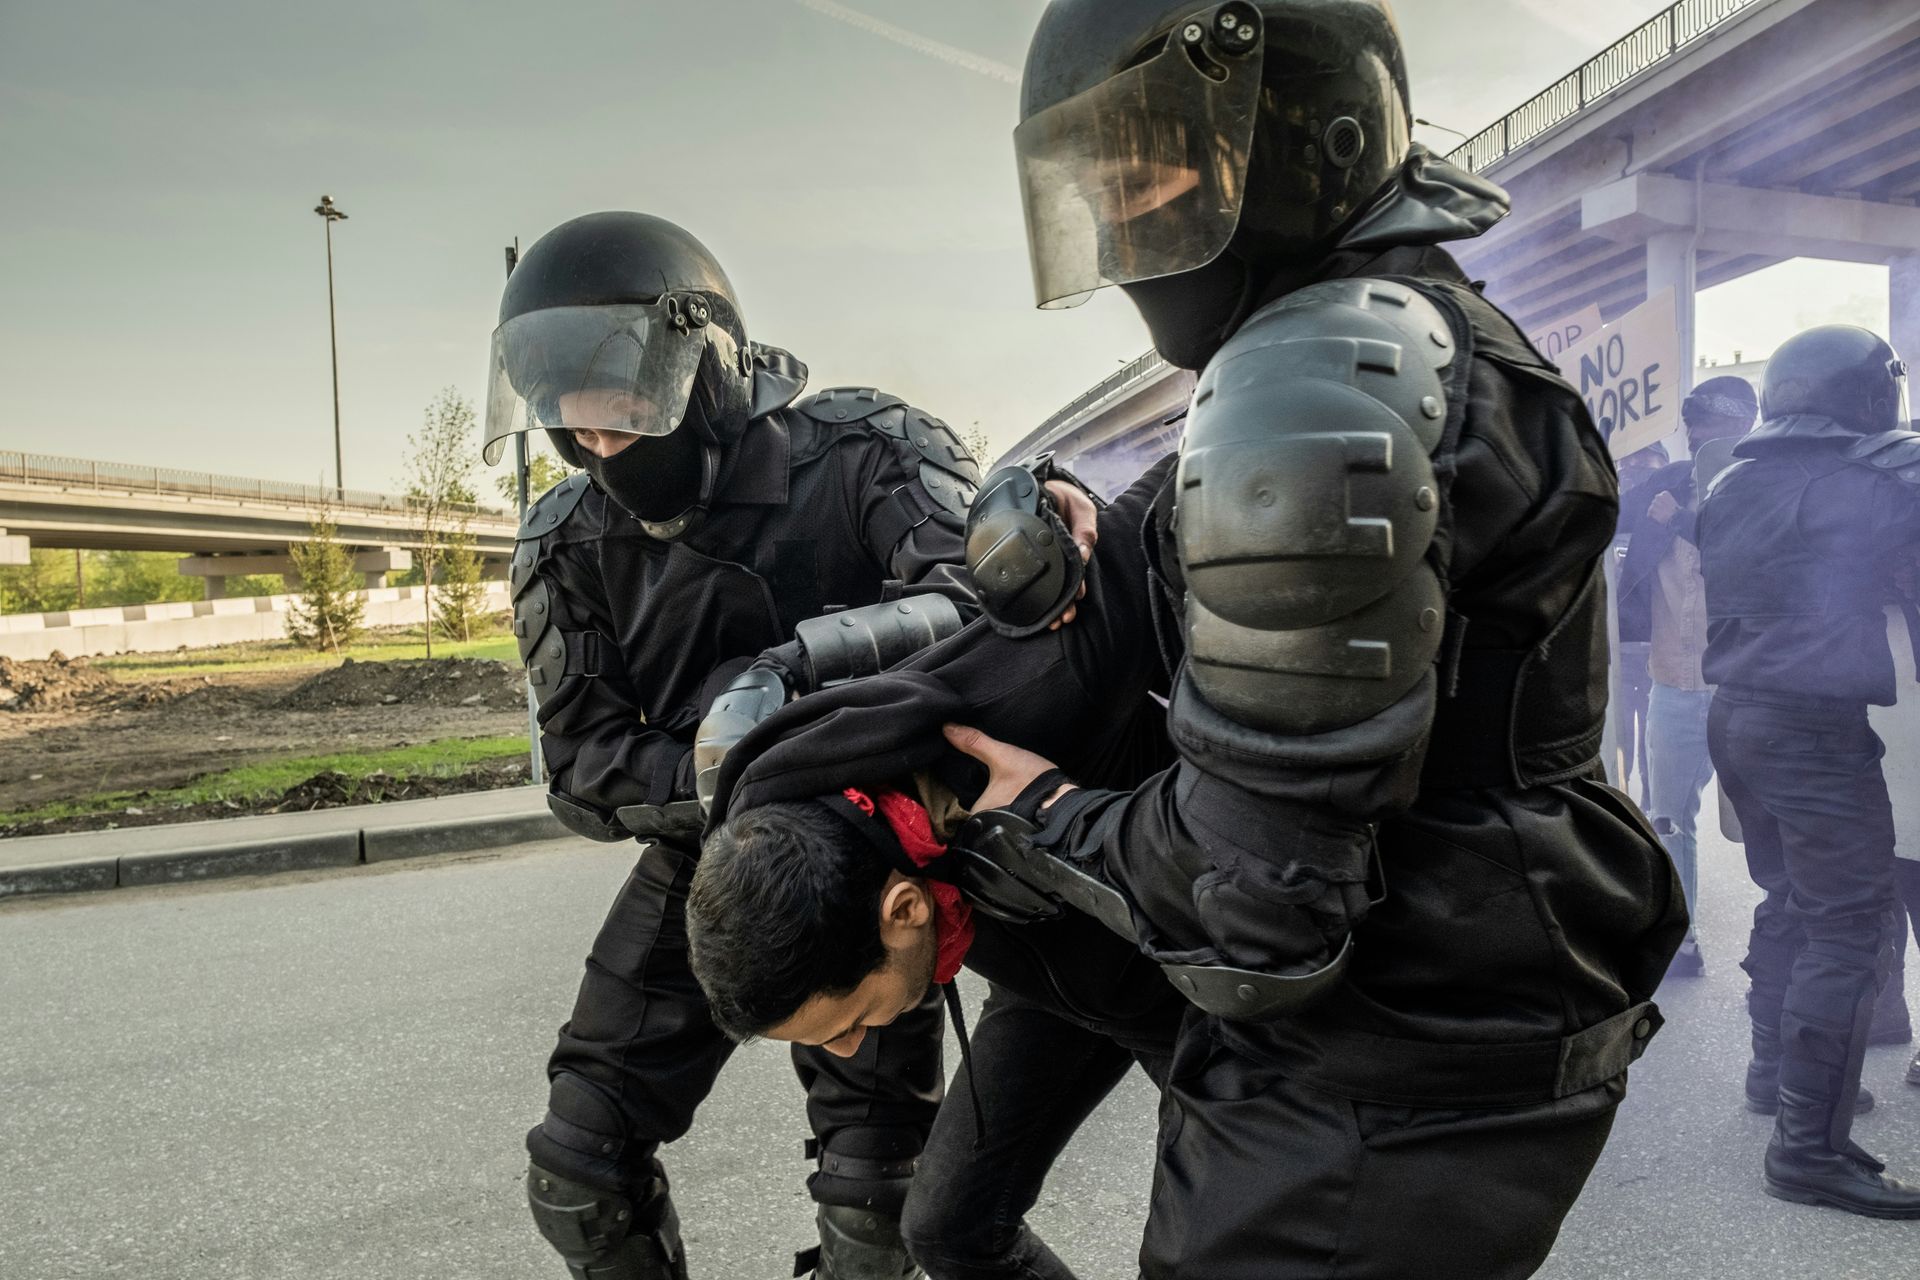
1025	567
755	694
1308	502
866	641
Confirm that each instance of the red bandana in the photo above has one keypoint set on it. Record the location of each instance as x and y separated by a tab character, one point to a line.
953	918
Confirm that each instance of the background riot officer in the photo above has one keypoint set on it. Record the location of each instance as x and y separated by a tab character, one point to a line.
716	513
1798	542
1385	617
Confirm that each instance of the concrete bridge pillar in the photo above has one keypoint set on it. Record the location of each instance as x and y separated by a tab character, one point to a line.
1671	262
1903	295
14	548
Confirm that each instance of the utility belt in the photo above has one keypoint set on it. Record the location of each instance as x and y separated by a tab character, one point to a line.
1474	742
1396	1071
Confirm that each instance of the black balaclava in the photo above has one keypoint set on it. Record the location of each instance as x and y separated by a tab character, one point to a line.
656	478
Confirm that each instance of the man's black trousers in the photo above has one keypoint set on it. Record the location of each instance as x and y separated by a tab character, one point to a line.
1805	779
641	1053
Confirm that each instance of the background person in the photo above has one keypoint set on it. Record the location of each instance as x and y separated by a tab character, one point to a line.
1798	541
1632	683
1663	598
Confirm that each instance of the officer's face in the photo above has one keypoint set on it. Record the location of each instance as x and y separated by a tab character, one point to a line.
601	444
839	1023
601	419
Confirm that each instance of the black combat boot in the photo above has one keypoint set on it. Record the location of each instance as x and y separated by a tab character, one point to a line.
1802	1165
1763	1076
1913	1070
861	1244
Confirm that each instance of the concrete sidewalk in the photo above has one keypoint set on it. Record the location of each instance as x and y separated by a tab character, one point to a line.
343	837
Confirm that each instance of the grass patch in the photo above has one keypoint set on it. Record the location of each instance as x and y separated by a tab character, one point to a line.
271	777
285	655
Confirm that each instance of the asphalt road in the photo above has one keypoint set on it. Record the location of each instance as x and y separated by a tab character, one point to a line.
328	1076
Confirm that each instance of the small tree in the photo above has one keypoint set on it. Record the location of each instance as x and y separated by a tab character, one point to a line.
328	610
543	472
463	596
978	445
440	463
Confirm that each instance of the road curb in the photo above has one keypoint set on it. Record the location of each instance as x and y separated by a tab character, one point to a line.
82	875
421	839
250	858
355	835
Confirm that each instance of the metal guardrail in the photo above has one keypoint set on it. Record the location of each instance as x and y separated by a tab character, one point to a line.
120	477
1659	39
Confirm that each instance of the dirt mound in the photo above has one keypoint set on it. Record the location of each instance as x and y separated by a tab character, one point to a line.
331	789
57	683
436	682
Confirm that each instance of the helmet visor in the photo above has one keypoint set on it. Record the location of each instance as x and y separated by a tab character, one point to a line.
1142	175
628	367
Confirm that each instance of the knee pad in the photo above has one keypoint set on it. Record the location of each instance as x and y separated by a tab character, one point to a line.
604	1235
584	1138
865	1169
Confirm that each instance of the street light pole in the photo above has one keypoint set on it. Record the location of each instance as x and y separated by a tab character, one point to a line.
331	215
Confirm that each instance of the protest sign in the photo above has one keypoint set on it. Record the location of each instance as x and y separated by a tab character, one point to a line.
1570	334
1630	376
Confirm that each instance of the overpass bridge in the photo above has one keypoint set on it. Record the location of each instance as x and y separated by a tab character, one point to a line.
1717	139
222	525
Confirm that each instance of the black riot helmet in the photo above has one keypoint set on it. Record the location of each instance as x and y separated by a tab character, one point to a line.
1203	146
623	322
1840	372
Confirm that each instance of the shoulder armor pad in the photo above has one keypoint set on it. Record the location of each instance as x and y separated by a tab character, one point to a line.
545	514
1894	452
948	471
847	404
550	510
1308	501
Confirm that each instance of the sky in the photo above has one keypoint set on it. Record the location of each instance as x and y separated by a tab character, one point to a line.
163	278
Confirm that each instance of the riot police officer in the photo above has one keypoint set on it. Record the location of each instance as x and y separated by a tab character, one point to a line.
1798	540
1378	575
716	512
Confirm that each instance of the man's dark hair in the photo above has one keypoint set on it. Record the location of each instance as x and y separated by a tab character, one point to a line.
785	905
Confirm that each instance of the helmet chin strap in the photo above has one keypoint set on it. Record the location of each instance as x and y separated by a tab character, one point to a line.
682	524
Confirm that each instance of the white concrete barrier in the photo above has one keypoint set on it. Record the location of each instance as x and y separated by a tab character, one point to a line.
193	624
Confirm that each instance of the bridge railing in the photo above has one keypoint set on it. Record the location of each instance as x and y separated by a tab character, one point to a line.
1665	35
1137	370
121	477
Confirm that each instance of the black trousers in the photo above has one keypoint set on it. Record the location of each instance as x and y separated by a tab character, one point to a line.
641	1052
1039	1075
1807	784
1263	1178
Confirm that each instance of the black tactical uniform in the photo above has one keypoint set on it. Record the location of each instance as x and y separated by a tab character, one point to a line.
634	605
1378	588
1798	541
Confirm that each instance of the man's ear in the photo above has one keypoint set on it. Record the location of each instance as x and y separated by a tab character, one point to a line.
906	907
